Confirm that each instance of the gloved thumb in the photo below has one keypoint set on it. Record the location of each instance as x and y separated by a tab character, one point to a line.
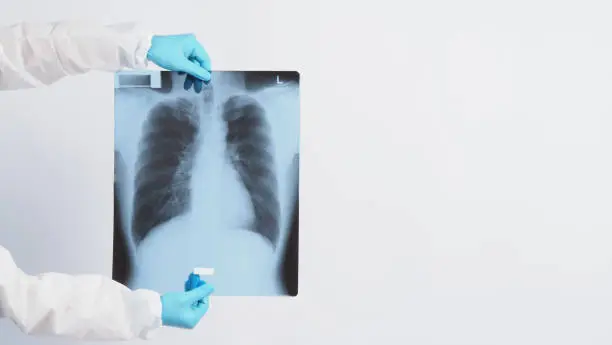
194	69
199	293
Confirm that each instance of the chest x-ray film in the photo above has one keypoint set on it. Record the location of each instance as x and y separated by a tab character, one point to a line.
207	180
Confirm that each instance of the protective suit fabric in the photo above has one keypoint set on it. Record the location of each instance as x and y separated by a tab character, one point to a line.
39	54
88	307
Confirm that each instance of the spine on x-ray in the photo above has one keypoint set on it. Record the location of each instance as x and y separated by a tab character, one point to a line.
250	150
164	167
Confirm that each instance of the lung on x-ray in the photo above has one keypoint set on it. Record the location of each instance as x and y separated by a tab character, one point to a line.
208	180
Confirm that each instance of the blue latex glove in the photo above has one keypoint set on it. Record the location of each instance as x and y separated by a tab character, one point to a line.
183	309
194	281
182	53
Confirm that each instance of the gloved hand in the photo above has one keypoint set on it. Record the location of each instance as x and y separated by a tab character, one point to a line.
182	53
194	281
183	309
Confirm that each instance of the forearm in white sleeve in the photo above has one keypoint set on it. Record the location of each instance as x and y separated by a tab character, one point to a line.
37	54
88	307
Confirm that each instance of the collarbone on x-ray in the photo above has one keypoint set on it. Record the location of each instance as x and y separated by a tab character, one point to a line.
209	180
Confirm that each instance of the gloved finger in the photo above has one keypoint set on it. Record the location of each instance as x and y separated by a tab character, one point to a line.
193	282
202	64
203	301
201	56
195	70
197	85
188	82
202	308
199	293
197	282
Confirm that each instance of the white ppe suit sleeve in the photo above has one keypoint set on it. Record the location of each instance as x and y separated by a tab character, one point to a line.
38	54
87	307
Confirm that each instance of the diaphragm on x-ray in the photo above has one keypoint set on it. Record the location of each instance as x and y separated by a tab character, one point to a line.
209	180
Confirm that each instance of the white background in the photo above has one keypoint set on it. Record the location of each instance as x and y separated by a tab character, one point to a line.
457	162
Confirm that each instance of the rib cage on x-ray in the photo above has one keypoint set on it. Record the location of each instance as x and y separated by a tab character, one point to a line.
168	146
165	163
196	171
249	148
